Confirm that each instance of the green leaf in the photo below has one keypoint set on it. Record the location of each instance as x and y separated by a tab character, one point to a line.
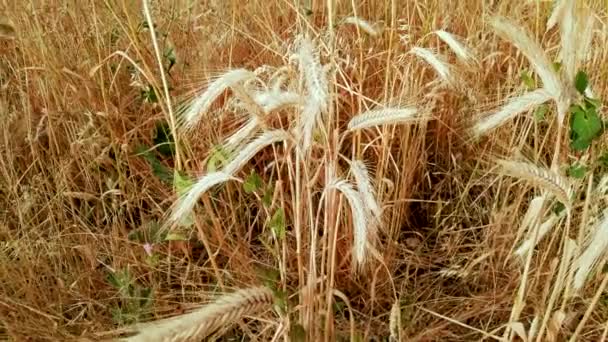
527	80
218	158
558	208
145	297
267	198
170	56
577	171
541	112
253	183
164	173
584	127
297	333
603	159
277	224
176	236
149	94
581	81
181	183
557	66
592	103
163	139
122	281
153	260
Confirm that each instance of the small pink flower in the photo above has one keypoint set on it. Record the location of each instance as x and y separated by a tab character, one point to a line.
148	248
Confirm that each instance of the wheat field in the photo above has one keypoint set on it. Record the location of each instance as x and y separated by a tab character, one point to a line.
303	170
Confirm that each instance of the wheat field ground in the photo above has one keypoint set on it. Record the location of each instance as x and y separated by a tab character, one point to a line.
291	170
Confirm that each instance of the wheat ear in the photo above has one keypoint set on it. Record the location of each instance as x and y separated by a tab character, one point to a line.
385	116
315	79
364	25
549	180
202	102
265	139
530	242
187	201
441	67
197	325
366	189
242	134
362	234
461	50
596	248
275	99
515	106
533	52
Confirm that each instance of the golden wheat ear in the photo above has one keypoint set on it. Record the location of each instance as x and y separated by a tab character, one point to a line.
462	51
201	104
547	179
512	108
199	324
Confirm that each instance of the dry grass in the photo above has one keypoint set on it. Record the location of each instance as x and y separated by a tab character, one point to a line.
329	158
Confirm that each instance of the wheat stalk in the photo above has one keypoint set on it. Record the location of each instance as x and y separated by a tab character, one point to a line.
394	322
385	116
197	325
547	179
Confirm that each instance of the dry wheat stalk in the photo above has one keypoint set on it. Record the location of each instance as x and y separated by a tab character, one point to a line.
196	325
395	322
